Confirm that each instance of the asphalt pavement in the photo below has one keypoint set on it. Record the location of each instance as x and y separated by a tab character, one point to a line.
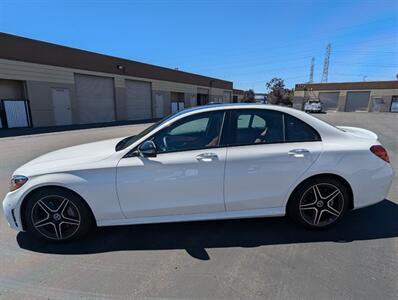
235	259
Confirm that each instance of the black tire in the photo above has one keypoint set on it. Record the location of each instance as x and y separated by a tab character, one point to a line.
57	215
319	203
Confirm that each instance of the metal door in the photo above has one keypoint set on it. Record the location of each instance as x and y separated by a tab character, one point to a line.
227	97
159	106
61	106
377	104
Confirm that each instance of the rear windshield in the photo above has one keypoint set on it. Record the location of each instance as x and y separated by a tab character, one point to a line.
330	124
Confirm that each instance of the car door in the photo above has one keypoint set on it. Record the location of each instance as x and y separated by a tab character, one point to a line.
267	152
185	177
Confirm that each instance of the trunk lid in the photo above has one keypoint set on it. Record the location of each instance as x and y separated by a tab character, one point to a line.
359	132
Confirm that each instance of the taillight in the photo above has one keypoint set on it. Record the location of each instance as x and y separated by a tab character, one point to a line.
380	152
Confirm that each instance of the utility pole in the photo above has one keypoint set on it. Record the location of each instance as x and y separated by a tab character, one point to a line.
325	72
312	70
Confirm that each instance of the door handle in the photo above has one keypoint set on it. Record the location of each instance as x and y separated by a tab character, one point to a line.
298	152
207	157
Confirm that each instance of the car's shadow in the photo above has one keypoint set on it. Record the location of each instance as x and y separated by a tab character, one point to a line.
375	222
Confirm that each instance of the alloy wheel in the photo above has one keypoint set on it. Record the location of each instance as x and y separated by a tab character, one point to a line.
322	204
55	217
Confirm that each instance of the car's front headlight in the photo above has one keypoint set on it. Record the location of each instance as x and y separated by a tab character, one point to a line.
17	181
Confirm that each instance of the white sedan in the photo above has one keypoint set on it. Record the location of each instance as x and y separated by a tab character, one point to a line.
205	163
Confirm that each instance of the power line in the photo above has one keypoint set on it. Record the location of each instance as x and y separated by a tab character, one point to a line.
363	64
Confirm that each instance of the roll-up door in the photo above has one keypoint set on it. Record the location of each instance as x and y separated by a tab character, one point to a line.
357	101
329	100
138	100
227	97
95	97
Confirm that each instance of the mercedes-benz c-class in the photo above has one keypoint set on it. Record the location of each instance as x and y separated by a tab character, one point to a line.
205	163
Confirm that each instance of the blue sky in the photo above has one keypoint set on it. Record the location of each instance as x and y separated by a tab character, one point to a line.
247	42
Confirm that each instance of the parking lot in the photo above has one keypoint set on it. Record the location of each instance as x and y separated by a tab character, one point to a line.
234	259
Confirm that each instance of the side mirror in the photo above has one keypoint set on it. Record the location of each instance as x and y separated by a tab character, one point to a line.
147	149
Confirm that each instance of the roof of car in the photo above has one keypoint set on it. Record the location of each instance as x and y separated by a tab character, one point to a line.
232	106
326	129
213	107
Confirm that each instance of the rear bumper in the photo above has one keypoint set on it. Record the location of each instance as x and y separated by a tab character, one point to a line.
375	189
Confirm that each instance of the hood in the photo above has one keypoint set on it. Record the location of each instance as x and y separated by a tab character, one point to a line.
71	158
359	132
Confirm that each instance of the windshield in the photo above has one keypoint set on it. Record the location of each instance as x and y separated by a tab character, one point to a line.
126	142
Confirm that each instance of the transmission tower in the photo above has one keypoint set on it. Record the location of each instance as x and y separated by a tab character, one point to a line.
326	63
312	70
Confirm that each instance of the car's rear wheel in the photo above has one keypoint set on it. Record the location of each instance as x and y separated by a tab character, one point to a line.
319	203
56	214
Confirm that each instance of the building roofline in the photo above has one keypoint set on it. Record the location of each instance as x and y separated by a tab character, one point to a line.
29	50
363	85
238	91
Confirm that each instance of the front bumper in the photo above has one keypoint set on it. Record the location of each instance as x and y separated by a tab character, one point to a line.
313	109
11	209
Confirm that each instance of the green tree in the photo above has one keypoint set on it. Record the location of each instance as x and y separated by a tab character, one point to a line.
275	84
278	94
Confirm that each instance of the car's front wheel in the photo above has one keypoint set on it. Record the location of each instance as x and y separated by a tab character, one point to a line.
319	203
57	214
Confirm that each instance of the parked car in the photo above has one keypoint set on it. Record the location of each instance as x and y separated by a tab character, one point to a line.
210	162
313	106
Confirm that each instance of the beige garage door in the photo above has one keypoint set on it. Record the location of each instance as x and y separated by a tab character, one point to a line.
95	98
138	100
357	101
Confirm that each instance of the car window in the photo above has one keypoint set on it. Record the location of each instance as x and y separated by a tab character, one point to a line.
244	121
256	126
258	122
193	132
298	131
193	126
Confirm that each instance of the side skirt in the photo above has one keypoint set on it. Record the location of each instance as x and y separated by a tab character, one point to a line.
258	213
